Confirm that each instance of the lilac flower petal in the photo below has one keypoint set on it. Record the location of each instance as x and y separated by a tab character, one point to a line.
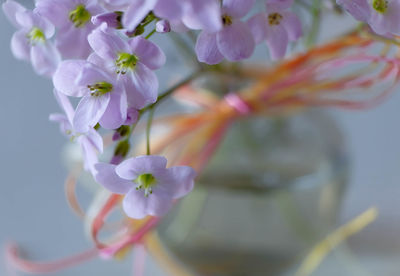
64	79
137	206
65	125
57	14
207	49
115	114
131	116
45	58
89	154
277	41
65	104
110	18
169	9
236	41
257	25
95	139
136	12
106	176
29	19
141	86
106	43
20	45
72	42
10	9
388	22
91	74
148	53
131	168
177	182
359	9
292	25
278	5
89	111
204	15
237	8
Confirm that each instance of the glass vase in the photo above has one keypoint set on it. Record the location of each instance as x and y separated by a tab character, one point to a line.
271	191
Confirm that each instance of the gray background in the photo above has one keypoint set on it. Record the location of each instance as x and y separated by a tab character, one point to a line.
33	210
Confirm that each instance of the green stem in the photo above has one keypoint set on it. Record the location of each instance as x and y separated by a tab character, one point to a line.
150	34
148	129
315	24
170	91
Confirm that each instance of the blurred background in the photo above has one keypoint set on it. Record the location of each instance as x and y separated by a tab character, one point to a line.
34	212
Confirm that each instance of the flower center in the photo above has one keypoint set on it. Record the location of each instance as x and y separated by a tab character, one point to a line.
226	20
125	62
274	18
100	88
80	16
146	182
36	35
380	6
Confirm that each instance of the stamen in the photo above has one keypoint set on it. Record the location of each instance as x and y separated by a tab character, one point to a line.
380	6
36	35
100	88
125	62
80	16
274	18
226	20
146	182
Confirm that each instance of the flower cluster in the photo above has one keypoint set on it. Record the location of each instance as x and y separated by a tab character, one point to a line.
100	52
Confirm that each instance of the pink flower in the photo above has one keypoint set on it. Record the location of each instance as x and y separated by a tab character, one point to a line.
149	187
277	27
381	15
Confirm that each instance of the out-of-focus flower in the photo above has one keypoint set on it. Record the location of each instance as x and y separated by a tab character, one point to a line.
90	142
103	98
73	20
132	62
31	41
149	187
234	41
381	15
277	27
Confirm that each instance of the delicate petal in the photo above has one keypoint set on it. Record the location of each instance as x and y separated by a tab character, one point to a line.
178	181
131	168
64	79
169	9
277	41
148	53
136	12
106	43
29	19
72	42
388	22
359	9
89	111
115	114
207	49
141	86
237	8
95	139
278	5
292	25
10	9
57	14
45	58
20	45
257	25
136	205
65	104
236	41
91	74
203	15
89	154
106	176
